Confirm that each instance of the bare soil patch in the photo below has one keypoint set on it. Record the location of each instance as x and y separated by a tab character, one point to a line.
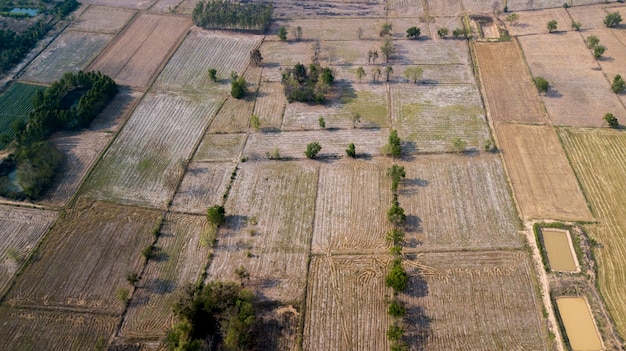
146	160
70	51
482	6
203	185
181	259
233	116
220	147
440	8
510	94
348	219
268	228
457	202
270	105
536	22
525	5
278	55
135	56
20	231
543	182
346	304
291	145
473	301
401	8
28	329
431	117
580	94
101	19
131	4
591	17
101	242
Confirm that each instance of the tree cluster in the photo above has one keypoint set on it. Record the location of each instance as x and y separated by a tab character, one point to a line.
14	46
593	43
222	312
307	85
220	14
394	145
237	86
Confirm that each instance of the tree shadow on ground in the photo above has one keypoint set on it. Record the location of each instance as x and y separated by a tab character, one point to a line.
419	327
411	186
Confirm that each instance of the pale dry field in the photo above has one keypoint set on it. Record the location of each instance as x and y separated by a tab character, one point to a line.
591	17
131	4
524	5
482	6
165	6
543	182
220	147
597	158
346	304
203	185
280	198
181	260
439	8
233	116
71	51
20	232
291	145
431	117
278	54
613	61
347	218
473	301
147	159
429	51
117	111
457	202
341	9
401	8
137	54
436	74
536	22
509	91
100	242
202	50
580	95
331	29
270	105
28	329
102	19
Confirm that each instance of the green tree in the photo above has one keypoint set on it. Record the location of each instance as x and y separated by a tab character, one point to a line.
396	309
413	33
541	84
413	74
397	278
458	32
388	72
395	214
394	145
388	49
237	86
395	236
552	26
576	26
442	32
618	86
282	33
255	123
395	333
611	120
216	215
592	41
396	173
376	73
213	74
312	149
297	33
512	18
613	19
351	150
322	122
360	73
385	29
255	57
598	50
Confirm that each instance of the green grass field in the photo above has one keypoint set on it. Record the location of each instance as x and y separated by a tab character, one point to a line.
15	104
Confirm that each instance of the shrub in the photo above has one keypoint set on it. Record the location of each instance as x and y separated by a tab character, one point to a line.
396	309
598	51
613	19
237	86
216	215
282	33
552	25
541	84
618	86
442	32
395	332
413	33
394	145
351	150
213	74
592	41
397	279
312	149
611	120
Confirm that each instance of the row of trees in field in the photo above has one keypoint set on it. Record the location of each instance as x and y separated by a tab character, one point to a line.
14	46
220	14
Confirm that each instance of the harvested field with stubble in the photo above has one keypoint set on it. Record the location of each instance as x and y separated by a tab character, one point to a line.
147	159
71	51
201	50
402	8
348	218
270	105
330	29
291	145
30	329
473	301
203	185
457	201
543	182
135	56
130	4
613	61
432	117
20	231
116	111
590	17
182	257
524	5
580	93
268	230
509	91
597	158
102	19
347	304
101	242
536	22
233	116
220	147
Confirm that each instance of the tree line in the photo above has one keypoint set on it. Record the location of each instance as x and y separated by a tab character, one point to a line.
219	14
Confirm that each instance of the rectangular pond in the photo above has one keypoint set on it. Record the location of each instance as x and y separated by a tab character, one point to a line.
560	251
579	324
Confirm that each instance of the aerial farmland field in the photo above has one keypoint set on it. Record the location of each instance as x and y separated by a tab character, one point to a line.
103	19
203	185
15	104
535	22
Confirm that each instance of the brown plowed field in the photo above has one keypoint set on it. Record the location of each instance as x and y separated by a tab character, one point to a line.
85	258
473	301
26	329
135	56
543	182
510	93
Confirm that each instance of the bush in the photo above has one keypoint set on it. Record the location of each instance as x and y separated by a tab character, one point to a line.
282	33
613	19
541	84
395	333
312	149
351	150
552	25
413	33
213	74
592	41
397	279
618	86
611	120
442	32
598	51
395	214
396	309
394	145
394	236
237	86
216	215
309	85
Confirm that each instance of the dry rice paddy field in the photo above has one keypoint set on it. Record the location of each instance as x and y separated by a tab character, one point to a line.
580	93
101	19
535	22
203	185
220	147
542	179
131	4
597	159
509	92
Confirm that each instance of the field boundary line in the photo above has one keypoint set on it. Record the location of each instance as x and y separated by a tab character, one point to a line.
63	309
